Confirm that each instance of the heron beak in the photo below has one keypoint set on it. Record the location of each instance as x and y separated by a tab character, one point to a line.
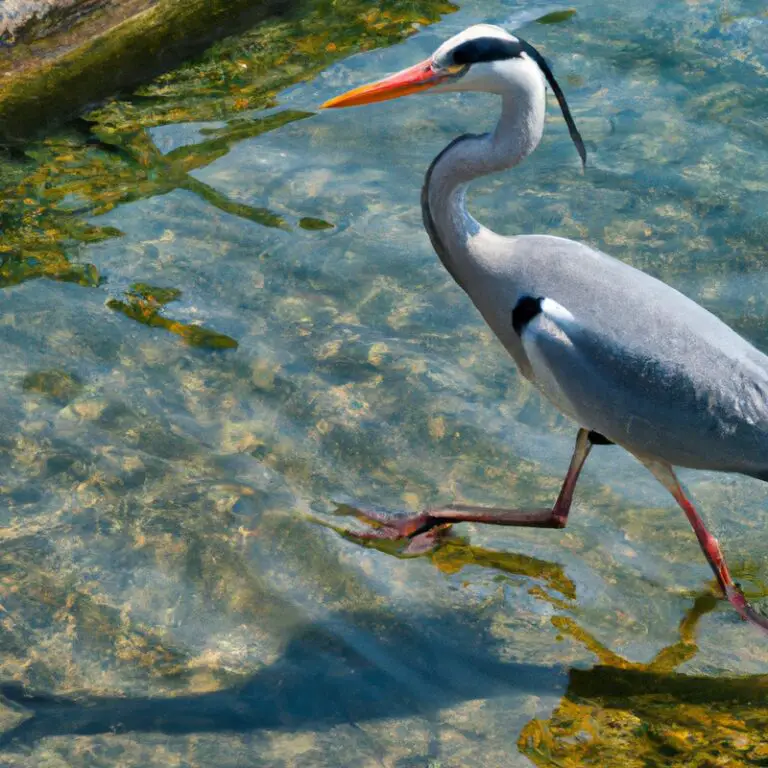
417	78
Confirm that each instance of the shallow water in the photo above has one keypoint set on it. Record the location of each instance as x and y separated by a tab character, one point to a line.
214	372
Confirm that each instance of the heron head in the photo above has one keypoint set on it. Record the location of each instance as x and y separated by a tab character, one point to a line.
481	58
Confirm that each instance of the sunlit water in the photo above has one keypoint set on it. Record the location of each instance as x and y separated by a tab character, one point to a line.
170	565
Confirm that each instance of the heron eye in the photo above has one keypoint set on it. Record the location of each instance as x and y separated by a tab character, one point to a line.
455	69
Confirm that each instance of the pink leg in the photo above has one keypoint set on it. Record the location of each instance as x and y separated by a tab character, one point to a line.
708	543
424	530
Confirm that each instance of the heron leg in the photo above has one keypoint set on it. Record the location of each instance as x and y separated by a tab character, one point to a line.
424	530
664	473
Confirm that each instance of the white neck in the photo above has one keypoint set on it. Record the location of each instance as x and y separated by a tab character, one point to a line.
456	236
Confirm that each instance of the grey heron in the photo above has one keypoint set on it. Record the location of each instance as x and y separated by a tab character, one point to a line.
631	360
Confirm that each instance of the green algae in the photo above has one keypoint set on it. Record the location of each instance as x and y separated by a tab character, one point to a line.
556	17
147	313
144	304
313	224
153	294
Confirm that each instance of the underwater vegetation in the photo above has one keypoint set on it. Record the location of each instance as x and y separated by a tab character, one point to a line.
639	715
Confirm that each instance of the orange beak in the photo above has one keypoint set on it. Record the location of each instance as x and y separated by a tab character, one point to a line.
417	78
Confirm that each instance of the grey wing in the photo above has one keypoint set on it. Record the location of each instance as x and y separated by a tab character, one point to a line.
712	414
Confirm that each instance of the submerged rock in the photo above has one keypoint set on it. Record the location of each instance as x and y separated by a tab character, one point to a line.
62	55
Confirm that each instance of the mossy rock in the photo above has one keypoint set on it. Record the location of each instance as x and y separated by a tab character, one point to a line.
119	46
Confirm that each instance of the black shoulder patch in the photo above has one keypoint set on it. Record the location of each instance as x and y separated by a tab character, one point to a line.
525	310
486	49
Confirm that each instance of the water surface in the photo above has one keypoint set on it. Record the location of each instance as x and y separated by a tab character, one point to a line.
222	321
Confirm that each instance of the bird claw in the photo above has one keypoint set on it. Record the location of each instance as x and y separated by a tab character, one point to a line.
421	533
422	543
745	609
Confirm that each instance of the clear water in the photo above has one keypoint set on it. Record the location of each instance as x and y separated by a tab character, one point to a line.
173	585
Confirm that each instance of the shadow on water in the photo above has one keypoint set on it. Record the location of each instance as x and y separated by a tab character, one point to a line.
351	668
361	666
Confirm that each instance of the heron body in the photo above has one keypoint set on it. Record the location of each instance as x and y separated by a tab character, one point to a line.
621	353
630	357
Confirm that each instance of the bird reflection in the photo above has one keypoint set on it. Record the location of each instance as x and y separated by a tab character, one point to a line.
624	713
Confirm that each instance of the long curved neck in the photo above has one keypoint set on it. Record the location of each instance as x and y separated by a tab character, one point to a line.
455	235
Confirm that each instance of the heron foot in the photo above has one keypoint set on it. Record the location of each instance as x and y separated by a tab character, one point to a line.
749	613
420	533
425	531
732	591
